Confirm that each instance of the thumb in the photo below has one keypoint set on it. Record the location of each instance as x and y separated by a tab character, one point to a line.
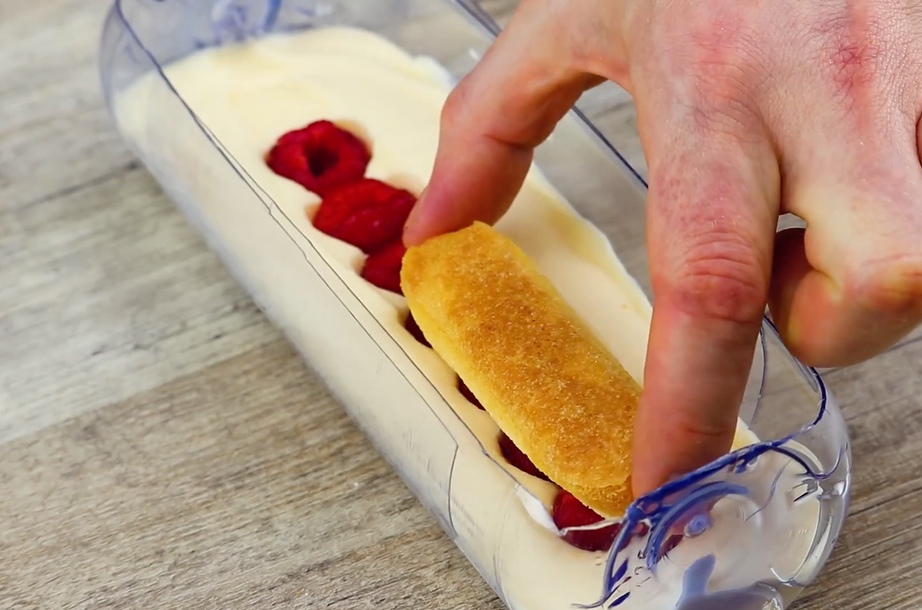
712	213
494	119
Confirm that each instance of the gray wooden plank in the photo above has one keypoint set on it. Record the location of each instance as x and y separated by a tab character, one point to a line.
106	292
240	485
55	133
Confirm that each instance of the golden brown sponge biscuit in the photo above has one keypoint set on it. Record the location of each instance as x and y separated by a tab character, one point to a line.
530	360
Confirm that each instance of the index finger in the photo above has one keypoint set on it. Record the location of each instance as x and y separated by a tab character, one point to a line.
495	118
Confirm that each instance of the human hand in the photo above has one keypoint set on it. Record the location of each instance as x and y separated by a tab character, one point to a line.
745	111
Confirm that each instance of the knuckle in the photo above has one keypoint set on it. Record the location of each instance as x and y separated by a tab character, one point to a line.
849	40
850	57
720	277
862	52
718	56
454	108
723	67
890	285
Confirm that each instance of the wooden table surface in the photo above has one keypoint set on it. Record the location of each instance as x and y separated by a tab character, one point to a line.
161	445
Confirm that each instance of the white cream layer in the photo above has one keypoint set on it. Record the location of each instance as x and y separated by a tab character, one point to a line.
249	95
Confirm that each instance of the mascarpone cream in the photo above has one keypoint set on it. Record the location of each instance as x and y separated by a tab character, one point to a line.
244	97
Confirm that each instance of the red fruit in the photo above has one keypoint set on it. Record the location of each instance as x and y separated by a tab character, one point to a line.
466	392
570	512
368	214
414	329
319	157
382	268
517	458
671	543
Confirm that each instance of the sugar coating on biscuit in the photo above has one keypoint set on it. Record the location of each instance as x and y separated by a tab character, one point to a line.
535	366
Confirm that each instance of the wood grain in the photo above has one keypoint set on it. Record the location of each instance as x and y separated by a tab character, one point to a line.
161	444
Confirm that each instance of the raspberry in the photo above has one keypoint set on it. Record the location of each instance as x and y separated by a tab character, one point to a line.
414	330
517	458
671	543
319	157
382	267
466	392
570	512
368	214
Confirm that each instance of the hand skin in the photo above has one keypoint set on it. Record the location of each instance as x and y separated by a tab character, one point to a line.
746	110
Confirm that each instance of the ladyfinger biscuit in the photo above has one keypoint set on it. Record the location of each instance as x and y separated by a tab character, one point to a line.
534	365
